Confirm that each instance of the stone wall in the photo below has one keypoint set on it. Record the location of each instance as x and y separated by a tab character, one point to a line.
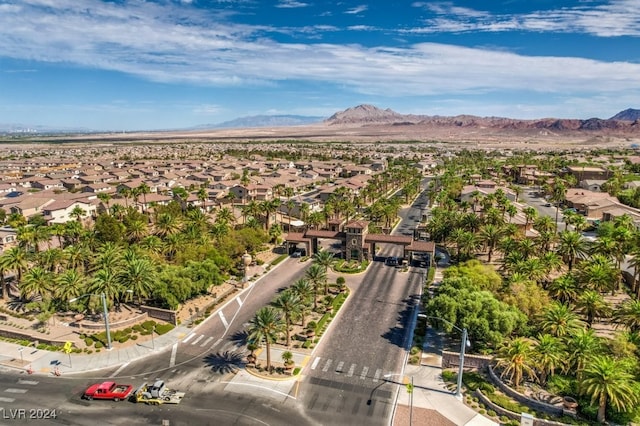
536	405
476	362
25	335
167	315
510	414
112	325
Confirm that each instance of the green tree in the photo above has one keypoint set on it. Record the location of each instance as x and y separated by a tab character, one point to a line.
316	276
559	321
606	381
550	355
592	305
266	326
516	358
288	302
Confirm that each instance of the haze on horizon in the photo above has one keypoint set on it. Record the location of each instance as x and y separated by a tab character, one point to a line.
167	64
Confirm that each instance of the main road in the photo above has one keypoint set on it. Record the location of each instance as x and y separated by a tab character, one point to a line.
344	382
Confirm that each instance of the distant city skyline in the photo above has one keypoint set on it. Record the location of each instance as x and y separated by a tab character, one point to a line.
124	65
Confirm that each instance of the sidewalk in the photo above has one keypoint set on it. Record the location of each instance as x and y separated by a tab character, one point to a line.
41	361
432	404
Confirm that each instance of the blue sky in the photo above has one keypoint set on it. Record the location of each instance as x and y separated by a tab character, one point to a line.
138	65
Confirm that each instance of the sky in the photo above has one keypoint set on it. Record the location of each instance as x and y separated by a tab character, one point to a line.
123	65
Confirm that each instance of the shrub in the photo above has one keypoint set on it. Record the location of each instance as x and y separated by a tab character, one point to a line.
99	345
164	328
415	350
88	341
134	337
148	325
123	339
414	360
491	413
449	376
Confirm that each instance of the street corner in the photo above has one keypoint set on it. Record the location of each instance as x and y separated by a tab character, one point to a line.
277	377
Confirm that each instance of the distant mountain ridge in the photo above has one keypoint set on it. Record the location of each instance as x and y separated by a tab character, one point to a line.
264	121
625	121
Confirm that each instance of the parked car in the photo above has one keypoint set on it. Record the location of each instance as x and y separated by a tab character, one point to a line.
299	253
392	261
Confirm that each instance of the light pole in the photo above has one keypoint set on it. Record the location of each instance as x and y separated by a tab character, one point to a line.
246	261
103	297
410	391
153	342
463	344
21	357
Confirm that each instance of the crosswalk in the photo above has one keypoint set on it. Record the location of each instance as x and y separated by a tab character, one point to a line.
21	387
346	369
201	340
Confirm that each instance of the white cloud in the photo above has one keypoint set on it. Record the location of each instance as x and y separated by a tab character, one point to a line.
291	4
616	18
161	43
357	10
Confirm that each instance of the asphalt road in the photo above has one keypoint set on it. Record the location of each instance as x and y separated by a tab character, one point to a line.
345	382
190	366
53	401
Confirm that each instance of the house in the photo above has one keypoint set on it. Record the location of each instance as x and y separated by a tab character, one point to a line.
594	185
8	238
28	206
61	211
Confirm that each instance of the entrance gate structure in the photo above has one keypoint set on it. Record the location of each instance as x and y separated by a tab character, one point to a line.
358	244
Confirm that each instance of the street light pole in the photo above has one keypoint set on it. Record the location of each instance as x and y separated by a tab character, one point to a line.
410	391
105	313
106	319
463	344
153	342
21	357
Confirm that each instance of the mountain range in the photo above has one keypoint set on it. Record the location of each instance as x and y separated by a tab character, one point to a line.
371	117
625	121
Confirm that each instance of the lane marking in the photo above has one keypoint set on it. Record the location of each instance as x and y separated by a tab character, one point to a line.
3	399
365	370
27	382
122	367
174	350
239	301
14	390
200	337
339	367
315	363
327	365
351	370
206	341
377	375
189	337
223	319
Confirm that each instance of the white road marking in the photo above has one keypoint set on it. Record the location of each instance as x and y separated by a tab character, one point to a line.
174	350
327	365
239	301
200	337
377	375
351	370
339	367
206	341
14	390
122	367
315	363
3	399
364	373
189	337
27	382
223	319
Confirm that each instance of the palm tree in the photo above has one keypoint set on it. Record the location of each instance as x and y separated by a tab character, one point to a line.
139	275
304	290
288	303
550	355
36	283
70	284
167	224
78	213
599	273
564	289
516	357
571	245
583	345
490	235
607	381
592	305
105	198
324	258
266	326
559	321
628	314
108	282
143	189
316	276
15	259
